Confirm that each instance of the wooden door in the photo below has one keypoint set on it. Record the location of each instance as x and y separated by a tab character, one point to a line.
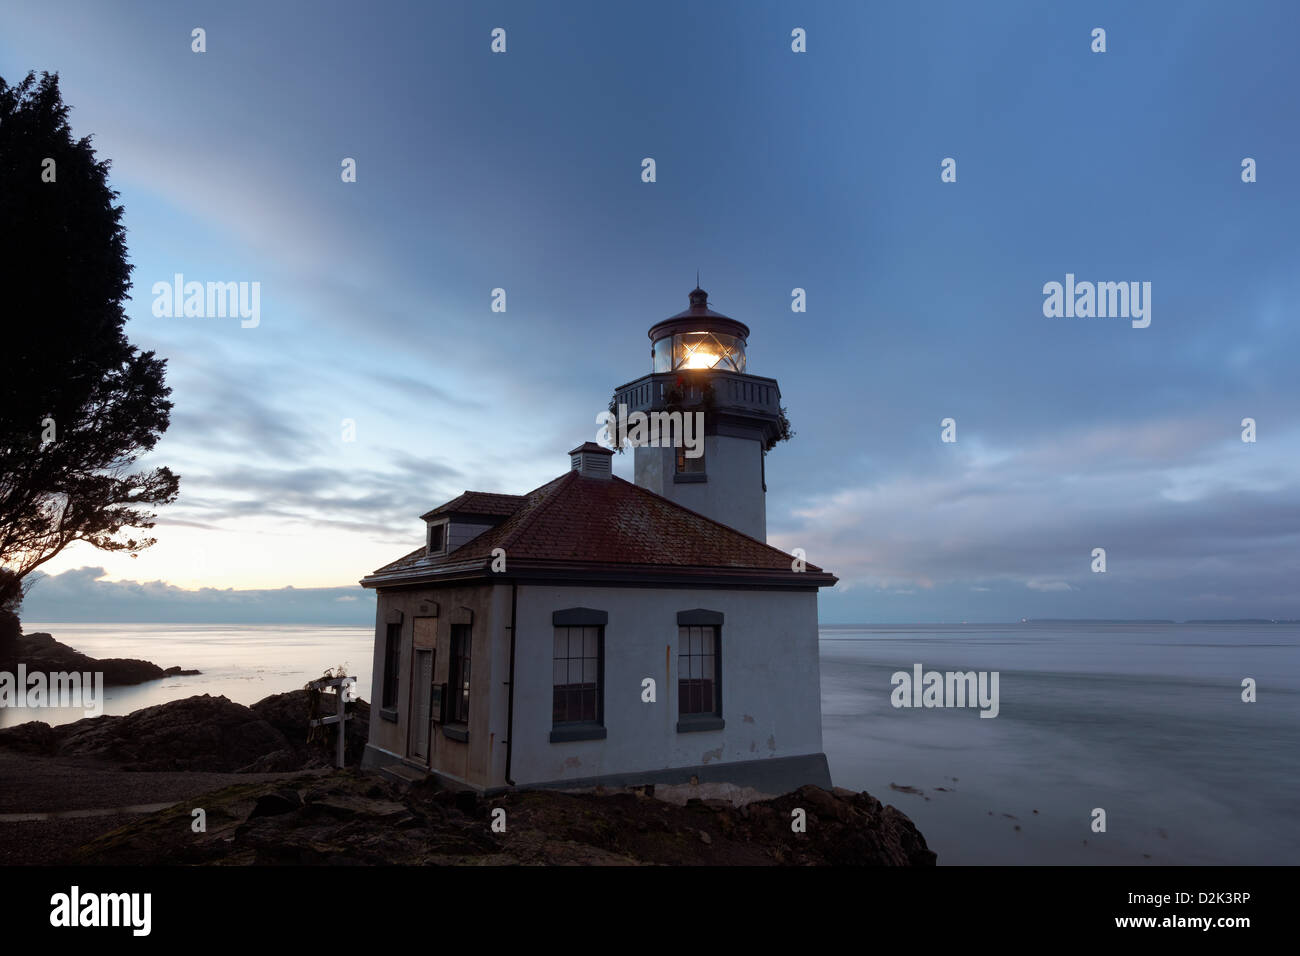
421	715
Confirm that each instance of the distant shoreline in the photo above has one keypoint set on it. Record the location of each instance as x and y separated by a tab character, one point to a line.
824	625
1060	620
39	652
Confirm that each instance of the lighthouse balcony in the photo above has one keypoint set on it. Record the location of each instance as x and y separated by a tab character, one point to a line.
736	393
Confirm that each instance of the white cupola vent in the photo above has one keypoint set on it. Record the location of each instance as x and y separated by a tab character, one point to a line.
592	461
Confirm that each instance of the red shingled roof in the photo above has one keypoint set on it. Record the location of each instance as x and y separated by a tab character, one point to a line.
478	503
611	523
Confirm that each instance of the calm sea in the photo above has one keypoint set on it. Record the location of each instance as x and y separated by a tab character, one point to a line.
1144	721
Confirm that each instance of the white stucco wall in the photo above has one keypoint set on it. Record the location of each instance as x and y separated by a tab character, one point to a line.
733	493
771	690
480	760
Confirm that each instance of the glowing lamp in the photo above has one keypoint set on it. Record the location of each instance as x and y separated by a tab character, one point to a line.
698	338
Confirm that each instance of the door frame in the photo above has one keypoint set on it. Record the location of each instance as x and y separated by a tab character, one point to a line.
427	642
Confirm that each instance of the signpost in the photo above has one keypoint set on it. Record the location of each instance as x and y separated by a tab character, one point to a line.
342	690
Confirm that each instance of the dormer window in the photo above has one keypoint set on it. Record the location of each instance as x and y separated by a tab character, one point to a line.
438	538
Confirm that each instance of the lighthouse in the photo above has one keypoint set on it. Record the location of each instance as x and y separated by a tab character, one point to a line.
699	365
594	631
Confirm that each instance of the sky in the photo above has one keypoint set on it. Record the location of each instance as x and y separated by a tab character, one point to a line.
775	170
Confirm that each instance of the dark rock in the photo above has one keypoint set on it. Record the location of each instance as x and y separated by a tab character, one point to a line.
467	802
199	733
33	737
349	819
274	804
280	761
289	714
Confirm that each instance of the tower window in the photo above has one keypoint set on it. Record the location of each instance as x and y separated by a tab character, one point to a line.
687	465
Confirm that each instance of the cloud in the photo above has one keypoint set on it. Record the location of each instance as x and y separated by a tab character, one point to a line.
82	594
383	501
1182	518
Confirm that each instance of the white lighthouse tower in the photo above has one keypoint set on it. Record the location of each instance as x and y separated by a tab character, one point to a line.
698	364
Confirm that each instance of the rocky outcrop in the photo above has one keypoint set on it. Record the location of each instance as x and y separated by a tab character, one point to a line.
42	653
352	818
346	817
198	733
288	713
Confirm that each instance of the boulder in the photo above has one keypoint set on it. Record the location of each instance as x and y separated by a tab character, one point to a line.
199	733
34	737
276	803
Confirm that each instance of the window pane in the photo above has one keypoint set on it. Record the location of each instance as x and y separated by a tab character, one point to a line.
687	465
663	358
575	674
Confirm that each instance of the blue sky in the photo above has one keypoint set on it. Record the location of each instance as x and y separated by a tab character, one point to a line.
775	170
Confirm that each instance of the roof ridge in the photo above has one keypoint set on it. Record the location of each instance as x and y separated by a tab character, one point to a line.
703	517
462	501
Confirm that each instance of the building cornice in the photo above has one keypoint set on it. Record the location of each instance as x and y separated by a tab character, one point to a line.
602	575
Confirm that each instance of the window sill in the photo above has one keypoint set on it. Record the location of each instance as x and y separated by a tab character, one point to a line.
565	733
456	732
689	477
388	715
691	725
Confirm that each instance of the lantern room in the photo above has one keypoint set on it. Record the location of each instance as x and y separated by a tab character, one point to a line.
699	368
698	338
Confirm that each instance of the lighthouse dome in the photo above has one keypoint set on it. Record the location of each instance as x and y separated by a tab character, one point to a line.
698	338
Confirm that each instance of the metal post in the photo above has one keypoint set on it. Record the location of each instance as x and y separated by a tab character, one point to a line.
340	718
342	740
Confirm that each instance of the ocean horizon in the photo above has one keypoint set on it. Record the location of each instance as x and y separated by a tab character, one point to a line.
1142	719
